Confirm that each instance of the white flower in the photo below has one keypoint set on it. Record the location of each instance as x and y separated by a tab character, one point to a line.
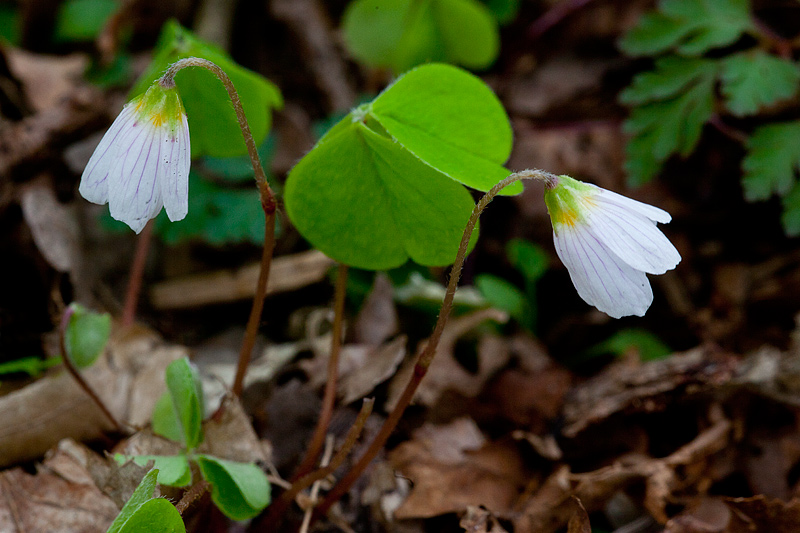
142	162
608	242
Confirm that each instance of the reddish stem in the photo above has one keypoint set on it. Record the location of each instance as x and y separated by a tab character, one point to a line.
137	274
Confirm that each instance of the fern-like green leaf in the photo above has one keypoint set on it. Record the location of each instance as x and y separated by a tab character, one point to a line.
773	159
754	79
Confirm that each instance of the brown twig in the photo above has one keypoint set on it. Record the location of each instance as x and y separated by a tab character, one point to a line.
329	397
279	507
194	493
137	273
553	16
267	203
425	358
65	318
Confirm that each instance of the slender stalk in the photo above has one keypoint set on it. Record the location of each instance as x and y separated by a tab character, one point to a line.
76	374
425	358
329	398
194	493
326	459
136	275
278	508
267	203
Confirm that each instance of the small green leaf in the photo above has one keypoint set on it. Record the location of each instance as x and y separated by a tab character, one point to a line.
366	202
667	122
791	212
505	11
752	80
505	296
692	27
213	127
82	20
400	34
772	161
648	345
452	121
155	516
33	366
165	420
529	258
86	335
240	490
141	515
186	395
173	470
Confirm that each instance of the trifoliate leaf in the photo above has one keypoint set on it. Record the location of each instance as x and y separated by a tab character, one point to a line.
185	392
165	420
670	121
450	120
752	80
366	202
400	34
213	127
791	212
240	490
143	513
772	161
692	27
217	215
86	335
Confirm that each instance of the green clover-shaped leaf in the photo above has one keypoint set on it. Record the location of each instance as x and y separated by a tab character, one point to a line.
240	490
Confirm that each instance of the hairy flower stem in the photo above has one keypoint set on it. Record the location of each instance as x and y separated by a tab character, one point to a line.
137	273
329	398
425	358
267	203
62	331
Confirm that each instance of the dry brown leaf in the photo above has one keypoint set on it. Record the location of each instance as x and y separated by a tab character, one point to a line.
377	320
626	387
760	513
54	226
47	79
710	515
380	364
61	496
451	467
479	520
445	373
579	523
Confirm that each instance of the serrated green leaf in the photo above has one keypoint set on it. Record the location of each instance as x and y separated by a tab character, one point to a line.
661	128
217	215
649	346
529	258
791	212
86	335
772	160
82	20
240	490
671	76
505	296
213	127
173	470
752	80
155	516
692	27
365	201
187	400
140	515
452	121
400	34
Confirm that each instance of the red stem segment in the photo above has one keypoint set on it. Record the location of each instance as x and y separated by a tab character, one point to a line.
137	273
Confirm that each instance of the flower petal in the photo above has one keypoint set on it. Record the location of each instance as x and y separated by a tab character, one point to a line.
653	213
601	278
134	195
94	181
632	237
175	161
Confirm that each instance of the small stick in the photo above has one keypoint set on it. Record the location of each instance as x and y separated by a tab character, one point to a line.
326	458
137	273
77	376
329	398
194	493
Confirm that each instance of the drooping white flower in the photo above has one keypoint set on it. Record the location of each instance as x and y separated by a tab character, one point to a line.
608	243
142	162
